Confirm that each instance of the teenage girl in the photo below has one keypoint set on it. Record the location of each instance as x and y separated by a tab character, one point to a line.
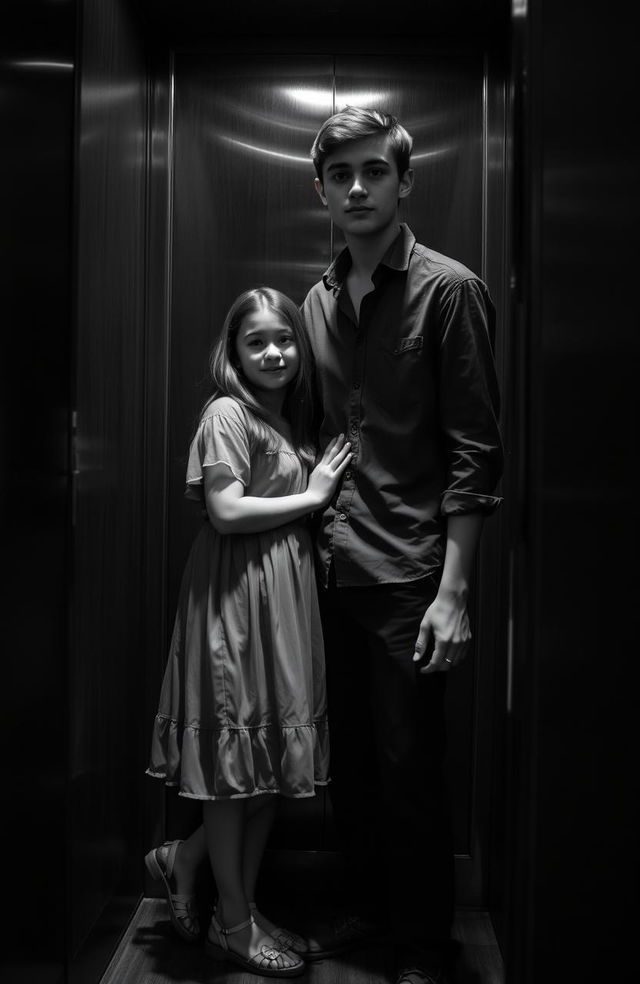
242	715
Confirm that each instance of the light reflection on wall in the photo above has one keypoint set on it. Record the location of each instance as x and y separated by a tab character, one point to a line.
312	99
323	98
42	65
295	159
238	110
430	154
308	100
252	148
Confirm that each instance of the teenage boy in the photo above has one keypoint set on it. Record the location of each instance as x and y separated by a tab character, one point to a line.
402	339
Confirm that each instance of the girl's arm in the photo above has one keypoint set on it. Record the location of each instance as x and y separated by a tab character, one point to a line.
231	511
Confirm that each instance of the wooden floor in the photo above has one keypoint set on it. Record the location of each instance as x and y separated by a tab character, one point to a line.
150	953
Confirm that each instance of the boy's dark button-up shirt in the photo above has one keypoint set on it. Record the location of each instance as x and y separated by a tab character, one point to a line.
412	385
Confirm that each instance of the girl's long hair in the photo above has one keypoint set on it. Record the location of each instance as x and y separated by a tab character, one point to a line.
300	405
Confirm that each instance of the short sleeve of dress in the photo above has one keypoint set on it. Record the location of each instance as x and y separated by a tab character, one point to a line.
221	439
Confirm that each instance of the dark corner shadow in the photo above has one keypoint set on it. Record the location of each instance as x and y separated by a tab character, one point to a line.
169	959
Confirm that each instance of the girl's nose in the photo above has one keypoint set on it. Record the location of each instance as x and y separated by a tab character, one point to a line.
273	352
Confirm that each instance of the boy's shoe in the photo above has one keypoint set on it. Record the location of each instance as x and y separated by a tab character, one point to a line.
182	908
415	975
283	937
344	933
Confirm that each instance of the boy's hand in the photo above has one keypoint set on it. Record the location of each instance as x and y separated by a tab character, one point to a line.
446	626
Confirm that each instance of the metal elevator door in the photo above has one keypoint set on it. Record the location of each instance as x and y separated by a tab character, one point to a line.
244	212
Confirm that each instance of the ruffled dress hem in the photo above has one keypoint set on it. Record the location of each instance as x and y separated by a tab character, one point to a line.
240	762
256	792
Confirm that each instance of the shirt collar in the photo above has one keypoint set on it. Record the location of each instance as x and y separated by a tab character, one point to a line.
396	258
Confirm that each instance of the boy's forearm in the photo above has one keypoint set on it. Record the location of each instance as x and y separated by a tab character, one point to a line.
463	534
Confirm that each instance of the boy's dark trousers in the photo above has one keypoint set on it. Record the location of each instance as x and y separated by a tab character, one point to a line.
388	792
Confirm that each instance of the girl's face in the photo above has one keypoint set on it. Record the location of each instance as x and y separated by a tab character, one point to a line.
267	351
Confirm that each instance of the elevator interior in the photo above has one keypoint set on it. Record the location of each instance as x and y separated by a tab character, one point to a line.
244	211
173	145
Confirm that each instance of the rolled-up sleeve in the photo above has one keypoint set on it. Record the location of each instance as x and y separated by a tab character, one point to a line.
469	401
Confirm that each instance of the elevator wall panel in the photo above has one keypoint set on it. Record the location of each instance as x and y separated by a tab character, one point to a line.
439	100
244	214
574	801
156	401
37	76
106	665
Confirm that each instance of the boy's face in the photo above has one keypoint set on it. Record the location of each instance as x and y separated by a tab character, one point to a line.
361	186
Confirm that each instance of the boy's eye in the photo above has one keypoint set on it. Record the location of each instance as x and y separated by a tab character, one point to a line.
376	172
339	176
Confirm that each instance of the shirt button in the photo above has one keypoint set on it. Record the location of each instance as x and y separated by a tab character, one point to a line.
356	386
346	475
343	516
354	428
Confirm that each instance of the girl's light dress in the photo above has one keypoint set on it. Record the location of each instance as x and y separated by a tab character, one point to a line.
243	703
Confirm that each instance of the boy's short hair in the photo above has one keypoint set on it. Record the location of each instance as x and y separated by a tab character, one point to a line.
354	123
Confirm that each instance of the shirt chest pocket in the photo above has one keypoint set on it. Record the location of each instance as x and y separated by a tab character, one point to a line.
409	346
402	372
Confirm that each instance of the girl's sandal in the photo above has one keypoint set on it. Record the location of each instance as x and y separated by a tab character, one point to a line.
182	908
283	937
268	962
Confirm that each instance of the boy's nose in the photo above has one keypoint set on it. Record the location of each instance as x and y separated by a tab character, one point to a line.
357	189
